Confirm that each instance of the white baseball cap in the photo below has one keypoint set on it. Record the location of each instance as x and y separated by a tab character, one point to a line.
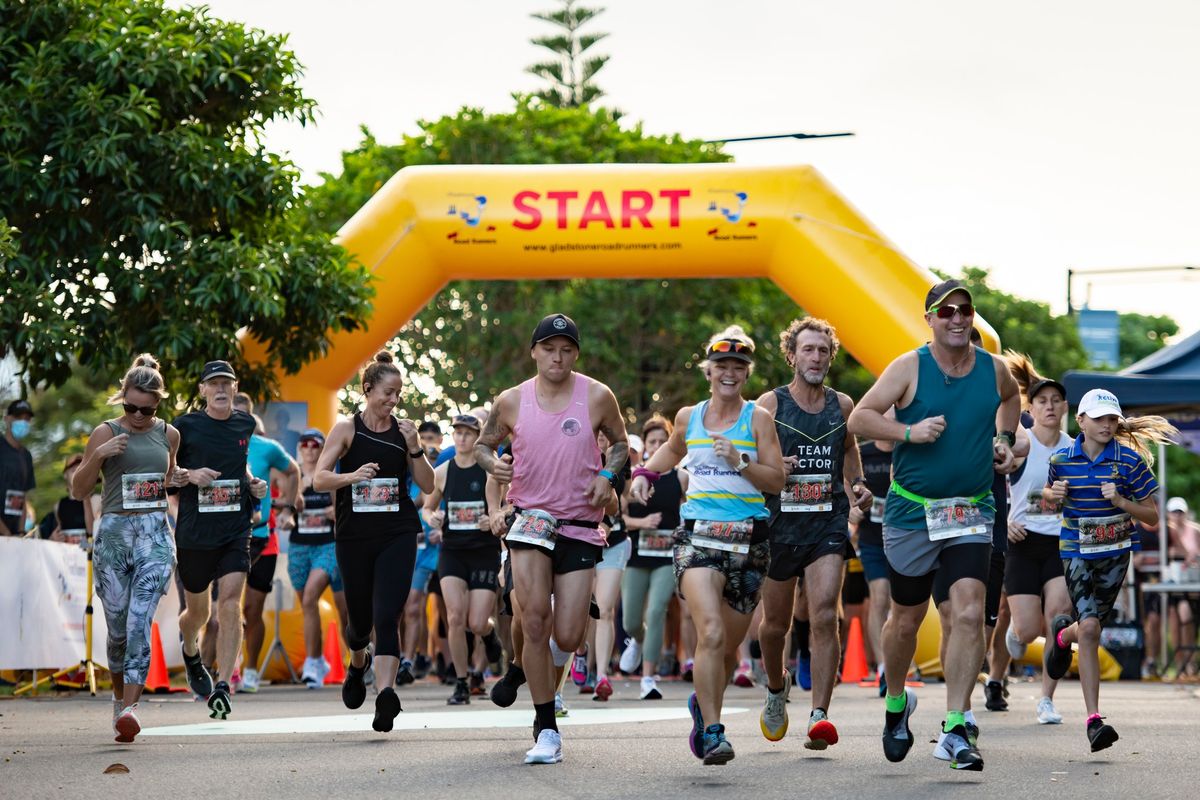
1177	504
1100	403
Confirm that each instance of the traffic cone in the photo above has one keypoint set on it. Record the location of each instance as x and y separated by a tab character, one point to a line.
157	679
854	665
333	654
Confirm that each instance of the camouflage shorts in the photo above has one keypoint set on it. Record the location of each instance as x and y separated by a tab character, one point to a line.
1094	584
744	574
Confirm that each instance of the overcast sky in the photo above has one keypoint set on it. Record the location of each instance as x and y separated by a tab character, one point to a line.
1027	137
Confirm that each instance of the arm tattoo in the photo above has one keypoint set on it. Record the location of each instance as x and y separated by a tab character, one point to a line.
618	452
485	445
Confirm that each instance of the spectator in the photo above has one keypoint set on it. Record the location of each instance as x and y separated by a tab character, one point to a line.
73	519
16	468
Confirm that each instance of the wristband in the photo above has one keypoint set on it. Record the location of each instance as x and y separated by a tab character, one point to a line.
908	433
416	454
607	475
649	474
1007	436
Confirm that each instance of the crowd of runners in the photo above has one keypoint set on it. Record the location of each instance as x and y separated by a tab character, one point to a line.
950	479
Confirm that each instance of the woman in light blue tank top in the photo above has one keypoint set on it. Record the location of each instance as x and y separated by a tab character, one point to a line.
731	453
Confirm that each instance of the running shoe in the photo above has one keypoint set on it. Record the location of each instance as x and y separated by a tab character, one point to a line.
1058	658
475	682
219	704
504	691
118	707
235	682
354	688
804	673
717	749
404	676
308	674
461	696
548	749
882	683
1016	648
387	706
368	676
993	693
127	725
1100	735
696	737
199	681
631	656
686	672
250	680
492	647
953	746
1047	714
579	669
773	721
604	690
743	677
821	733
560	705
589	686
650	688
897	735
421	666
324	668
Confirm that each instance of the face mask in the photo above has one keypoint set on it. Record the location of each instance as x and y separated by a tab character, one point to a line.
19	428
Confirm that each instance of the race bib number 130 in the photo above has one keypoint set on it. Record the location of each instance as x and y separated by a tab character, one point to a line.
805	494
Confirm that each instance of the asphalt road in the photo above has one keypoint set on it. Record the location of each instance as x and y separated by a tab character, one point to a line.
61	746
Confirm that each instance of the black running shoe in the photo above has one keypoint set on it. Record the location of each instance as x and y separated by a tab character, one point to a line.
882	683
461	696
1058	658
972	733
897	736
219	705
492	647
404	675
421	666
387	706
959	751
504	691
993	692
476	683
1100	735
199	681
354	688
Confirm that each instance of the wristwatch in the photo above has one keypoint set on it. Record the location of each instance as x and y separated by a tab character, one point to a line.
743	462
1008	436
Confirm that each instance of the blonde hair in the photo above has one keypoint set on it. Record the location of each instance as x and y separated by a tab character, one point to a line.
1140	433
382	365
787	339
144	376
1020	366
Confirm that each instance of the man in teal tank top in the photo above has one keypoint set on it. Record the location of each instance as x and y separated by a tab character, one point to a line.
956	409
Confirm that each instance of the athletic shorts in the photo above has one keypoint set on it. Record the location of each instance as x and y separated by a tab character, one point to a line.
944	564
506	606
426	567
262	568
875	565
854	588
744	573
1094	584
790	560
304	558
568	555
1032	563
199	568
479	567
617	556
995	588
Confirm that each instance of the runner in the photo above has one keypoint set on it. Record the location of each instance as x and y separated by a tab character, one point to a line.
16	468
312	560
877	469
376	529
460	505
809	525
414	639
134	553
950	399
74	519
721	551
213	529
649	578
609	572
559	492
1103	482
1033	576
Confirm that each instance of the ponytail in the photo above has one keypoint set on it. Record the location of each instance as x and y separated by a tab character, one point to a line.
1140	433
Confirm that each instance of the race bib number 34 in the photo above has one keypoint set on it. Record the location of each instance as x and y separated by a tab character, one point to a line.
805	494
464	516
1105	534
220	496
140	490
536	527
732	537
375	496
954	517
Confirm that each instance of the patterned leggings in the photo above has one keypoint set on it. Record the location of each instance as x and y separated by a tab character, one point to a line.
133	560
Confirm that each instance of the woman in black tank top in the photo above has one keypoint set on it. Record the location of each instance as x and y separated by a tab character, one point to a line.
375	530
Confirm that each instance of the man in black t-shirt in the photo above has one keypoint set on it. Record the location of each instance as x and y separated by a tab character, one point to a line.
16	469
213	530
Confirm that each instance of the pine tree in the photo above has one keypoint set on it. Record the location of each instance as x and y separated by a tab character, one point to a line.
571	72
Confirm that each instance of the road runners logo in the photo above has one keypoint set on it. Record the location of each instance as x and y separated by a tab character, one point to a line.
730	206
469	208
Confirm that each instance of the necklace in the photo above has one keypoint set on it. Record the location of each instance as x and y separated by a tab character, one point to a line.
953	367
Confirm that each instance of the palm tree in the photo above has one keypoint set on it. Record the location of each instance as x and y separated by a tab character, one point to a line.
570	74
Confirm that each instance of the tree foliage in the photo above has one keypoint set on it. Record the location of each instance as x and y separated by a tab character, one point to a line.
1139	335
570	71
150	215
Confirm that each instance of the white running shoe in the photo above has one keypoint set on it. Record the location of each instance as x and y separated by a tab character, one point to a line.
650	688
773	721
631	656
560	656
1015	647
250	681
308	673
548	749
127	725
1047	714
560	706
323	669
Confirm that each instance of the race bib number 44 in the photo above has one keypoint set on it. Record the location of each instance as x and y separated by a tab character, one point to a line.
1105	534
536	527
805	494
656	543
375	496
220	496
732	537
141	490
954	517
464	516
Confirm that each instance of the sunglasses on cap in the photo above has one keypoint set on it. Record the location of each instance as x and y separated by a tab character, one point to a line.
145	411
730	346
948	310
309	443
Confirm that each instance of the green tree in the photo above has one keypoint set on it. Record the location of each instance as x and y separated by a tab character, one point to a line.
571	71
150	215
1140	335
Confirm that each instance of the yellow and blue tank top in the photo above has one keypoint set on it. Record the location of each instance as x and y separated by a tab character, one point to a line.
716	491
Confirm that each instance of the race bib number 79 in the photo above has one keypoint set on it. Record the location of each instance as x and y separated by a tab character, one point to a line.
952	517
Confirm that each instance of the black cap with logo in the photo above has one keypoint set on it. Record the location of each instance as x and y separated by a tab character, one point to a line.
943	290
217	369
555	325
19	408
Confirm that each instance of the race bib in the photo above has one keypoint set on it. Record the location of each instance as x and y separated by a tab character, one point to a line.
1105	534
221	496
14	503
313	521
376	495
656	543
1042	511
953	517
465	516
536	527
732	537
854	565
805	494
74	535
878	505
141	490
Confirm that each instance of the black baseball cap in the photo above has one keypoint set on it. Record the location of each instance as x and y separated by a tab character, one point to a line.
555	325
217	369
19	408
466	421
943	290
1042	384
313	435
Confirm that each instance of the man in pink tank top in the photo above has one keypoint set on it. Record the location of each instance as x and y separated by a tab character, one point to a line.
559	492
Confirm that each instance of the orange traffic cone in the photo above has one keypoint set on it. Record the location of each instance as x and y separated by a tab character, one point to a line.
333	654
157	679
854	665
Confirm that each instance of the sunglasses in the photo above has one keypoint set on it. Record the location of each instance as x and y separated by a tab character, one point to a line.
730	346
948	310
310	443
145	411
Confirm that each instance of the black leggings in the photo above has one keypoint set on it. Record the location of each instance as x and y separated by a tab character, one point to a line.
377	575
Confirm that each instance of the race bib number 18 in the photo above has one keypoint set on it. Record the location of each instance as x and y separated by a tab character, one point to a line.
954	517
220	496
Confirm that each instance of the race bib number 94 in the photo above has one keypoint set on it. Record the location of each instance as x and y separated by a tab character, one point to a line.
140	490
1105	534
805	494
376	495
953	517
732	537
220	496
536	527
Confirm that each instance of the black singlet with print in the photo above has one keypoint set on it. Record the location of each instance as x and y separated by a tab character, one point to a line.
465	502
814	503
358	507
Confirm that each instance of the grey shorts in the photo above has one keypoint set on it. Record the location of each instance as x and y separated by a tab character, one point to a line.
909	552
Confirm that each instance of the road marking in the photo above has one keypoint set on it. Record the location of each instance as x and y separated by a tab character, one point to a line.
442	720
